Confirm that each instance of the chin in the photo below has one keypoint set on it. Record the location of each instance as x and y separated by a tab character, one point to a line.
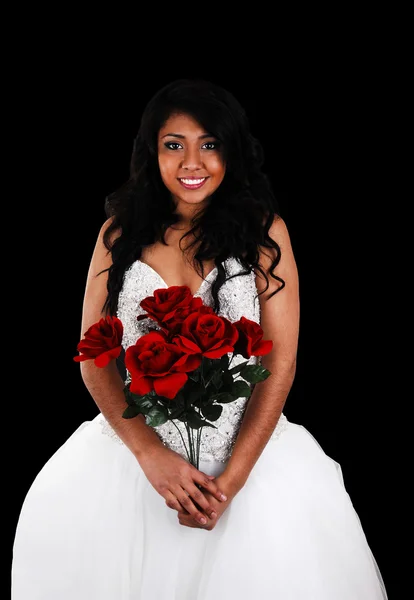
192	198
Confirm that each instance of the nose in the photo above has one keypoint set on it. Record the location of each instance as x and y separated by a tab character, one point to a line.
192	159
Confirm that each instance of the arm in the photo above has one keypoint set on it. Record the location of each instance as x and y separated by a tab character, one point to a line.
106	385
280	323
166	470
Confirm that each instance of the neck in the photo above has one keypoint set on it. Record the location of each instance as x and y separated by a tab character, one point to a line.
187	212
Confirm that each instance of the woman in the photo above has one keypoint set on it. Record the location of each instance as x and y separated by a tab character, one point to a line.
119	512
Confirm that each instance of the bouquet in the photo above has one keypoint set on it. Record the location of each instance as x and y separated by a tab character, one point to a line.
182	369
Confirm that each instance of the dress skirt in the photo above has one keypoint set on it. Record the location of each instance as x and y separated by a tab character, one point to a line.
93	528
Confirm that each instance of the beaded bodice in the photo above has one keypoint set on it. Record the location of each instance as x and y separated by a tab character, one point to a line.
238	297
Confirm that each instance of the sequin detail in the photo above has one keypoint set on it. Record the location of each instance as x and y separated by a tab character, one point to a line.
238	297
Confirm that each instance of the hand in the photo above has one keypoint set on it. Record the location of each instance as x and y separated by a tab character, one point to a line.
179	483
186	519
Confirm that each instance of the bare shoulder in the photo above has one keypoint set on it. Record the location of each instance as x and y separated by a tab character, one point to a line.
279	312
101	257
283	254
279	232
103	242
104	228
96	282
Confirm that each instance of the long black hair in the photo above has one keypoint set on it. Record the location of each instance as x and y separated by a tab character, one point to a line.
239	214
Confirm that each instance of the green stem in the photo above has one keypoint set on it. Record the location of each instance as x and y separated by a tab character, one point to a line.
198	445
190	443
193	447
184	444
202	373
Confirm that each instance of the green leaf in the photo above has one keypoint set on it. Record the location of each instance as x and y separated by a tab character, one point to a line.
194	420
131	411
224	362
212	412
180	399
217	379
255	373
224	397
176	412
207	365
130	398
239	367
192	396
204	400
195	375
145	404
241	389
158	415
227	380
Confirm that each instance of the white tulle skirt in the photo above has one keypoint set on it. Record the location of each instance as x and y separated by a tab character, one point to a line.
93	528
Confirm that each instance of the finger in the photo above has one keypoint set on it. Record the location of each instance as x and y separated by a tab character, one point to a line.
188	506
172	502
201	501
187	521
210	485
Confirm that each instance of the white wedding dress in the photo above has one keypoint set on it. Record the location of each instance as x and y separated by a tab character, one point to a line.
93	528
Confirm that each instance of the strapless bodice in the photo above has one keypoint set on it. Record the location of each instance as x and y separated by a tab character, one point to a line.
238	297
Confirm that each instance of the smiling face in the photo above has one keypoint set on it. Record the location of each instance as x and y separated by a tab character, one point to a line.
190	162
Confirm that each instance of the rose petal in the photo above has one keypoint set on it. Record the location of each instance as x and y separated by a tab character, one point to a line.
105	358
170	385
141	385
263	348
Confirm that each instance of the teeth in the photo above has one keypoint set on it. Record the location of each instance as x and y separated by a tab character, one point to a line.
193	181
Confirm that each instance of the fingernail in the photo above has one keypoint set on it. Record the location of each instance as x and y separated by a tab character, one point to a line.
203	520
223	497
213	515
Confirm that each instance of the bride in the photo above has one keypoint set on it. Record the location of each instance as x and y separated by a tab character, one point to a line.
119	512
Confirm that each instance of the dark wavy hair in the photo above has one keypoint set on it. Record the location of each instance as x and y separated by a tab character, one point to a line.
239	214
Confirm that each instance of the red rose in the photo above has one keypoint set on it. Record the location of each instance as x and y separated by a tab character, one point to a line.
102	342
205	333
165	303
250	342
156	364
175	319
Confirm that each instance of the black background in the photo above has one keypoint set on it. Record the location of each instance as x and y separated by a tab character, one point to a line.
76	128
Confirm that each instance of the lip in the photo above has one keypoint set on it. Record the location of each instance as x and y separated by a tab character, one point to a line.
195	186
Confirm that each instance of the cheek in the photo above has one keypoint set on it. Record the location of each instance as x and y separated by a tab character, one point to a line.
216	166
167	169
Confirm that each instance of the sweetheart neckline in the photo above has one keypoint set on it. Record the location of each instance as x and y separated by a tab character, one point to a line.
205	280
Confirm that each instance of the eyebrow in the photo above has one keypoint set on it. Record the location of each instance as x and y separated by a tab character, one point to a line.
182	137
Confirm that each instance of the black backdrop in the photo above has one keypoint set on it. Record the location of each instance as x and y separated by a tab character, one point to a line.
78	132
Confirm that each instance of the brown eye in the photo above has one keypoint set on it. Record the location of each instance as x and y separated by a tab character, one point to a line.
172	145
211	145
